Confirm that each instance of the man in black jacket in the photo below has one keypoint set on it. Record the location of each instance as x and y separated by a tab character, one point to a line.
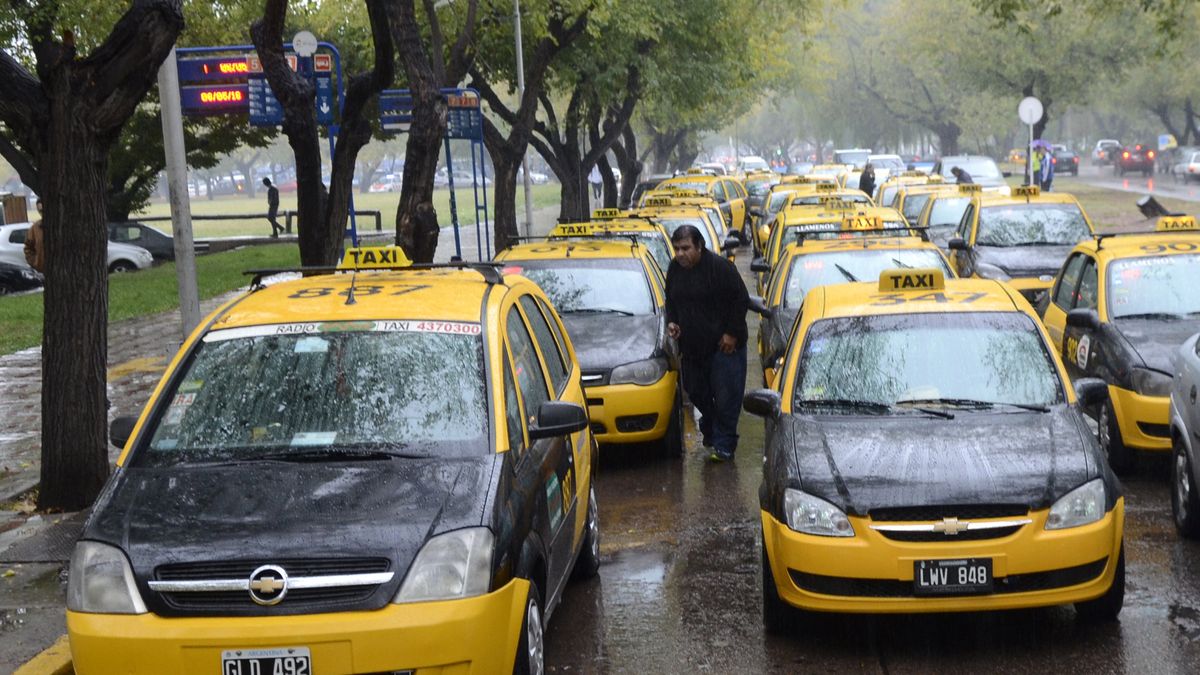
273	208
706	312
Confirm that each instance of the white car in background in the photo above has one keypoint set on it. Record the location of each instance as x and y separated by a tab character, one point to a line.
753	163
535	177
886	166
121	257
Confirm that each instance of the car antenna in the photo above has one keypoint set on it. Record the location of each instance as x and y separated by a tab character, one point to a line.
350	293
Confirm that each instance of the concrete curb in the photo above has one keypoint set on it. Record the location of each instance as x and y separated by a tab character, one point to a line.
54	660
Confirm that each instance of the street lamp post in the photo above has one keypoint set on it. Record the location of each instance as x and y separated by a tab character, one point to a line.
521	97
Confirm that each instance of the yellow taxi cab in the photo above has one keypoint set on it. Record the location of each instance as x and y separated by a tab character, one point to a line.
611	296
944	210
838	172
615	223
727	191
660	197
885	194
924	452
806	264
357	471
910	199
1118	309
758	185
671	213
764	217
1021	239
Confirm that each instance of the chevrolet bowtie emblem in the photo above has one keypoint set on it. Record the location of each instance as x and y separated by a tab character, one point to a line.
951	526
267	585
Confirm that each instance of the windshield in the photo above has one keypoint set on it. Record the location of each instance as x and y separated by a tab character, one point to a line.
978	167
892	163
617	285
834	230
914	204
672	224
1031	224
856	157
815	199
993	357
947	211
698	186
864	264
1157	286
778	199
291	388
760	187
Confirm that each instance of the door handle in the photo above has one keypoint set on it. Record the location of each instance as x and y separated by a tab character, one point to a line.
1192	394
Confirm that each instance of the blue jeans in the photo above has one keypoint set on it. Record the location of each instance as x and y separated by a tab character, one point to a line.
716	385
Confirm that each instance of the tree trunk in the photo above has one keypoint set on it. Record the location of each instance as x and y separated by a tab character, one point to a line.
626	153
609	181
576	193
367	175
504	198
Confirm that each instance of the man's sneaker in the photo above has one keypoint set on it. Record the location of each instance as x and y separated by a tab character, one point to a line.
718	457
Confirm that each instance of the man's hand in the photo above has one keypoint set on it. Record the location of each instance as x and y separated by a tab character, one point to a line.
728	344
673	330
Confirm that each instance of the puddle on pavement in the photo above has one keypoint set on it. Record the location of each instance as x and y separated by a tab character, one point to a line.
634	577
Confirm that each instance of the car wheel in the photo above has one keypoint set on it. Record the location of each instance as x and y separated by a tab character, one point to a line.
1185	502
672	442
1120	456
121	266
1106	607
531	650
778	616
588	562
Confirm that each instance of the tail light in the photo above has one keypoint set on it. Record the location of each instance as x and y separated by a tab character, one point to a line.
1150	154
1125	155
1075	159
1054	160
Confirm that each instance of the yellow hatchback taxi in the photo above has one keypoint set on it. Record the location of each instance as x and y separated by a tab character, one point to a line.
1118	310
614	223
611	297
1021	239
806	264
372	471
925	453
727	191
671	213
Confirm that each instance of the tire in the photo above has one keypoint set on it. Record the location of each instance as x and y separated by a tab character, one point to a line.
1185	502
672	442
778	616
1106	607
1120	456
121	266
531	650
588	562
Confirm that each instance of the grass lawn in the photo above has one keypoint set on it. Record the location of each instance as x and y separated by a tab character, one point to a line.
384	202
146	292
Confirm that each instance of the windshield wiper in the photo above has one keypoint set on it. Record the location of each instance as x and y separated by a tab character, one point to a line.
322	454
975	403
599	310
1151	315
901	265
845	272
873	406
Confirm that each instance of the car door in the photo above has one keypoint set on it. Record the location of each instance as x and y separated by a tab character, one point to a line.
736	196
1062	299
964	260
547	463
722	199
1078	343
1187	399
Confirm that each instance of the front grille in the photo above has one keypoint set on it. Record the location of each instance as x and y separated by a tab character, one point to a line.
297	600
634	423
1159	430
941	511
969	535
893	588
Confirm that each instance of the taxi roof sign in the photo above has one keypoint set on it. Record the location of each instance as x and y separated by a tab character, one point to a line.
659	201
374	257
606	214
827	187
572	230
970	188
929	279
1027	191
862	223
1176	224
935	178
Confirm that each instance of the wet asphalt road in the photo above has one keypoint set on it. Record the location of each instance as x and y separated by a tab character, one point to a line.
679	588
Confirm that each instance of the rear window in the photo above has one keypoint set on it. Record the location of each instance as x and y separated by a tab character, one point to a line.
591	286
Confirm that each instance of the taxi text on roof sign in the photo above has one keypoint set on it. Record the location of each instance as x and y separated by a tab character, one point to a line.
604	214
1027	191
572	230
930	279
970	188
659	201
827	187
375	257
862	223
1176	224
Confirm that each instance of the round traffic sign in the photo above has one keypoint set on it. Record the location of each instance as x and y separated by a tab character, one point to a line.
1030	110
305	43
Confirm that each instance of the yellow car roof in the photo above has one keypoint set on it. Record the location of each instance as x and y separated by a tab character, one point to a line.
594	228
1000	199
553	249
1114	247
927	188
833	194
690	178
956	295
860	244
438	294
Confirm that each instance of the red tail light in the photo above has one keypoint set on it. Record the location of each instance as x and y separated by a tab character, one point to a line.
1054	161
1150	154
1075	159
1125	155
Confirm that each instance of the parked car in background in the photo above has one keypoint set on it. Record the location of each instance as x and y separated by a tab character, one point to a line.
752	163
983	171
1102	154
390	182
1065	161
121	257
158	243
461	179
1187	168
1016	156
17	278
885	166
535	177
1135	157
799	168
856	156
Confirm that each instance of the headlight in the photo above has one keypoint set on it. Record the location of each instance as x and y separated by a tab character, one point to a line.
813	515
101	581
1083	505
1151	382
991	272
639	372
453	565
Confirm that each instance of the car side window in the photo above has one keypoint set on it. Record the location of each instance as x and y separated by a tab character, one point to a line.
964	225
555	362
1089	285
554	328
17	236
512	411
737	190
1064	293
718	191
528	370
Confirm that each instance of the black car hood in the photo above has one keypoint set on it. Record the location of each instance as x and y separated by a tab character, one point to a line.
1025	261
862	463
273	511
604	341
1156	340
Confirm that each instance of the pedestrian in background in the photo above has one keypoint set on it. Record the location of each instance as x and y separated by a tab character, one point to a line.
273	208
596	181
706	313
866	181
1046	176
961	177
1035	167
35	246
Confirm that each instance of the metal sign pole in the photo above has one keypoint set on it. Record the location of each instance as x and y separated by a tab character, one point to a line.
181	213
453	202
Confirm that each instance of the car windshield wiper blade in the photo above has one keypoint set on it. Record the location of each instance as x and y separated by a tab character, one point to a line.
976	404
845	272
1151	315
875	406
599	310
901	264
333	453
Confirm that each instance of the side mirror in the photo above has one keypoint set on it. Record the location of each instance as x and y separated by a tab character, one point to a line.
1085	318
762	402
558	418
120	430
1091	391
759	265
758	213
731	243
957	244
759	306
